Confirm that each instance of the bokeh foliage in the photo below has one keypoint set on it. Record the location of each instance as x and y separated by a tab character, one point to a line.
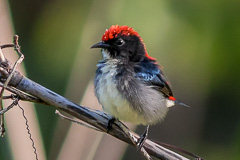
197	43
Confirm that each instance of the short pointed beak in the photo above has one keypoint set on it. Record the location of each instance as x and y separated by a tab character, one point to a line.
101	45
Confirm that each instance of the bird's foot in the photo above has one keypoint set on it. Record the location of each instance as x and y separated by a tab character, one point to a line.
142	139
110	123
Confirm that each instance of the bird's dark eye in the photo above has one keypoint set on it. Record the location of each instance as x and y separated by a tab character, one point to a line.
119	42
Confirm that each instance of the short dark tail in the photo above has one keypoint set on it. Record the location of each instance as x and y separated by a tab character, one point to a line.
177	101
181	103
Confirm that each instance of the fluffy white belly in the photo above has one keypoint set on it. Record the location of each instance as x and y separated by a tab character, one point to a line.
114	103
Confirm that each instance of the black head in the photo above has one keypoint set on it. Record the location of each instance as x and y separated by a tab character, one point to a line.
122	42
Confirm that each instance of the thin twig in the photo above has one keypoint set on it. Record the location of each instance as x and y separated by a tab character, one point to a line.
9	107
2	128
75	121
20	59
7	46
22	95
17	49
2	58
29	133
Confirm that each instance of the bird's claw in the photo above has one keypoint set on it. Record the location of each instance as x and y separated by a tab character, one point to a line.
110	123
142	139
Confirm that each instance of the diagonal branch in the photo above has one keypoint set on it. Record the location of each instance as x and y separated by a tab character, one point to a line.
95	118
29	90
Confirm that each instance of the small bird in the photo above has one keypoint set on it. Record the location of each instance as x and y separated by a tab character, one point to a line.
129	84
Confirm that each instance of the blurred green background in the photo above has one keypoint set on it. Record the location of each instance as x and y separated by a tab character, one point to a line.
196	42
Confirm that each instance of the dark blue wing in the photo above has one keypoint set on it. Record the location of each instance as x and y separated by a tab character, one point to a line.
149	73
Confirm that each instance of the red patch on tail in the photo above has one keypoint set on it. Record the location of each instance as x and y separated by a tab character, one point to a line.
172	98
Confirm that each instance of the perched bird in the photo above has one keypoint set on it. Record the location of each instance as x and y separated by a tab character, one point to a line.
129	84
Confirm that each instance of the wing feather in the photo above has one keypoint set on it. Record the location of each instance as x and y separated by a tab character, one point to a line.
151	74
